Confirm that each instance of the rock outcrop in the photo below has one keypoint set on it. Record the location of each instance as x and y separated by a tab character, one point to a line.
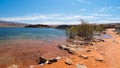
69	61
99	59
71	50
41	60
83	56
64	47
78	65
50	61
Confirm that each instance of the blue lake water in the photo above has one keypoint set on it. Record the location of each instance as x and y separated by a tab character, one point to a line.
31	33
45	34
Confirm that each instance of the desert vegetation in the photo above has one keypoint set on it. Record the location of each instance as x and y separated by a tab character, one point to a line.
84	31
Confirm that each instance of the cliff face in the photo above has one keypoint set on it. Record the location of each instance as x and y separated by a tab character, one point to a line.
11	24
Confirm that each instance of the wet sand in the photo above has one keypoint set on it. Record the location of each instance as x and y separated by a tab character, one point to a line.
26	52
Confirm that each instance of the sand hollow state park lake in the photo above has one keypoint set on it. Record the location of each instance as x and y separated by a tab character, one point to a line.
31	33
25	45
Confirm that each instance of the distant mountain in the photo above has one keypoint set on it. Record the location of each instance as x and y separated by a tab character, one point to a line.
11	24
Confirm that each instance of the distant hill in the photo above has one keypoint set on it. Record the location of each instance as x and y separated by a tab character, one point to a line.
11	24
47	26
37	26
63	26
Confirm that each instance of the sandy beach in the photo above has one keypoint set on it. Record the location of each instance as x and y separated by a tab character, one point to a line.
109	50
26	52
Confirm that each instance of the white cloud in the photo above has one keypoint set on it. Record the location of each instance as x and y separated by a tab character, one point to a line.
23	18
103	9
108	21
32	17
100	15
73	17
62	18
57	23
46	17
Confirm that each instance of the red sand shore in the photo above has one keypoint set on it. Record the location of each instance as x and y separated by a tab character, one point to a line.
25	53
109	50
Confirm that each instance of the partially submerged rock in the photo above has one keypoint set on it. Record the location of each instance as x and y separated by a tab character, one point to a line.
42	60
70	50
69	61
52	60
78	65
64	47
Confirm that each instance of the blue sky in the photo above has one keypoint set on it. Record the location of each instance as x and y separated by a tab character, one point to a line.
60	11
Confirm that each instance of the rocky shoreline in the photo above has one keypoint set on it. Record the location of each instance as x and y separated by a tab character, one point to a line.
82	56
97	54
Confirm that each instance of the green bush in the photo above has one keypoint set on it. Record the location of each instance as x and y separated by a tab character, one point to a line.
84	30
100	27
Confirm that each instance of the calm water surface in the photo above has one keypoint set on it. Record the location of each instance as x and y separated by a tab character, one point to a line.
31	33
25	45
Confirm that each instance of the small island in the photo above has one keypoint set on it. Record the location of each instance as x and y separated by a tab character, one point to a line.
37	26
